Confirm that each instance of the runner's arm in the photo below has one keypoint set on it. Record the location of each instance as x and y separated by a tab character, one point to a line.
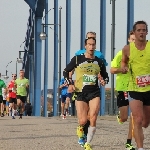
68	69
62	84
125	59
71	73
116	64
27	84
103	72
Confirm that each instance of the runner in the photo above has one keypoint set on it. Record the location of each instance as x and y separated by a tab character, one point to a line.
65	98
97	53
3	104
12	95
121	86
21	84
2	85
87	68
136	61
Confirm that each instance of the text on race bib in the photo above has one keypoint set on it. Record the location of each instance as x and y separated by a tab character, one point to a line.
89	79
143	80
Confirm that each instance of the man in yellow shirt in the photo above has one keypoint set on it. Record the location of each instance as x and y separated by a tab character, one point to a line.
136	61
121	87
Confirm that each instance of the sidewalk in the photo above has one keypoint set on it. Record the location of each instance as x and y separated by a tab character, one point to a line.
53	133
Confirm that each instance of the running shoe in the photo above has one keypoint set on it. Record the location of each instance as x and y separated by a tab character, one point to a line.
80	132
118	119
87	146
129	147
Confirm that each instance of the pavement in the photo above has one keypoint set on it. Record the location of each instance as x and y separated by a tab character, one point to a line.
54	133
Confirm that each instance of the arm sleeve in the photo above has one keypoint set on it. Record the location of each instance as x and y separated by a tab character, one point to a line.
103	71
69	68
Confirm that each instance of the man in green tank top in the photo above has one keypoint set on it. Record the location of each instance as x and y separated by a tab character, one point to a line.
21	84
2	85
121	87
136	61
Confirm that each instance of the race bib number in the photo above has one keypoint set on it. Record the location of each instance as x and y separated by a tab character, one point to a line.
143	81
89	79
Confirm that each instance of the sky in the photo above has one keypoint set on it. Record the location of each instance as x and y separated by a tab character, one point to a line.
13	27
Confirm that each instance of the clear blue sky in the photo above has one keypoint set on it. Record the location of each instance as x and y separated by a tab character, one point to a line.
13	26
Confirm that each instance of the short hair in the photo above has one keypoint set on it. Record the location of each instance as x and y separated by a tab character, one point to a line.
22	70
140	22
130	33
91	32
88	39
14	74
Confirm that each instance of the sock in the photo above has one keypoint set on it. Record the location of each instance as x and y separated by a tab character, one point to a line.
91	132
128	141
85	128
13	112
140	149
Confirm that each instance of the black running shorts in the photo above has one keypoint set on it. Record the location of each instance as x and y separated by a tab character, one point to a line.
1	98
87	96
12	100
121	101
22	98
142	96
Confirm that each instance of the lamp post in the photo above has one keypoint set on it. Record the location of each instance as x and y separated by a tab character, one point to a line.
6	76
112	56
43	36
16	66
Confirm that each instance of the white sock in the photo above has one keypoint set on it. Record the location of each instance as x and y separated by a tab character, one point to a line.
91	132
13	112
140	149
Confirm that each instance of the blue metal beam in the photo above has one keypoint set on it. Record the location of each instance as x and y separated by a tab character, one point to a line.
83	23
68	30
46	61
55	80
40	5
31	79
103	47
31	3
37	66
130	16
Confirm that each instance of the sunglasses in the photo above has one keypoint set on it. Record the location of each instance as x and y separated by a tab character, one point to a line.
14	76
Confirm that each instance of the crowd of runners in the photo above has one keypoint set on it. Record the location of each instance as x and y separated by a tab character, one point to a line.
131	64
13	96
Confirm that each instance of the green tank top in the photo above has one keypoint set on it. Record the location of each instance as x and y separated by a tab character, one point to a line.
139	64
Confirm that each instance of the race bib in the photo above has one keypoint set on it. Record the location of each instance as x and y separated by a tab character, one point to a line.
143	80
89	79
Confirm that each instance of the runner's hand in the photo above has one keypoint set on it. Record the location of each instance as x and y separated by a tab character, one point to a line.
102	82
125	70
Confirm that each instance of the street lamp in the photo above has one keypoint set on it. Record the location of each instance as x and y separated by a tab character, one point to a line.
43	36
6	76
20	60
